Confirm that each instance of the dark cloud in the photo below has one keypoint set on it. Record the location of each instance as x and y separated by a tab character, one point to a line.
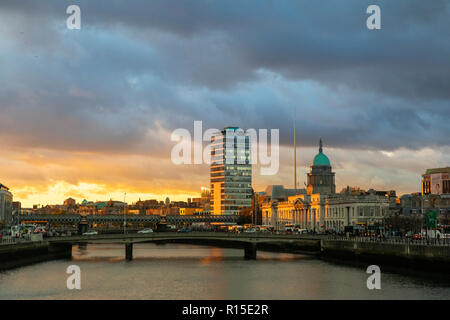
140	68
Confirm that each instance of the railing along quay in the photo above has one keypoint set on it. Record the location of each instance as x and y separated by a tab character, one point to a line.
393	240
15	240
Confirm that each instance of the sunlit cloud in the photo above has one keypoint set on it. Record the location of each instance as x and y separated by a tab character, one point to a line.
89	114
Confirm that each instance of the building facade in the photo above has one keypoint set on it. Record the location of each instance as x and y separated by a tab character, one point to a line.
231	172
319	213
436	181
6	207
411	204
69	202
436	191
320	208
364	209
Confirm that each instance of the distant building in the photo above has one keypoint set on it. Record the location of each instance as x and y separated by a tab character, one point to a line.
189	211
231	172
170	211
148	204
205	199
69	202
6	207
279	193
17	206
333	212
87	208
438	202
321	178
153	211
113	207
411	204
350	209
436	191
133	211
320	208
436	181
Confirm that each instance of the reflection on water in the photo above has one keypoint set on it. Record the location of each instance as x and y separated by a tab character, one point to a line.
175	271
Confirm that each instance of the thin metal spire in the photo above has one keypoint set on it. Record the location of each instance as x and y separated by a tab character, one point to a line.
320	146
295	152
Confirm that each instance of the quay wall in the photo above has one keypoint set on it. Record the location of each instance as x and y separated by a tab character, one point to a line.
22	254
403	255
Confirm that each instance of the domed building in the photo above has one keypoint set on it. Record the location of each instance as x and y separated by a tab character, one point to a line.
321	208
321	179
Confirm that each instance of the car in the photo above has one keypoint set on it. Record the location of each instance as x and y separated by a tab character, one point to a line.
253	230
301	231
409	234
184	230
417	236
90	233
145	231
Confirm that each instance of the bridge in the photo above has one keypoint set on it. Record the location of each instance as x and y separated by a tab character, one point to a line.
131	218
248	241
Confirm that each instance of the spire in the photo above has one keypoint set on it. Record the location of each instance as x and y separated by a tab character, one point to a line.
295	152
320	146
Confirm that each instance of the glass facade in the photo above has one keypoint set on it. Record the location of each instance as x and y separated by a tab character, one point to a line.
231	172
5	205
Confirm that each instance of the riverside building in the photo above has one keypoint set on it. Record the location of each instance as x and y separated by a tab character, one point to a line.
231	172
6	199
320	208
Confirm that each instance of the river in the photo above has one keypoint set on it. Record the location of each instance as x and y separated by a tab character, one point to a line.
177	271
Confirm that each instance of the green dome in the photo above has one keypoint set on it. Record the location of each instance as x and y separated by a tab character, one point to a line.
321	160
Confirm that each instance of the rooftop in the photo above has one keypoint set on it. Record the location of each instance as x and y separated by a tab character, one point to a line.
3	187
438	170
321	159
278	192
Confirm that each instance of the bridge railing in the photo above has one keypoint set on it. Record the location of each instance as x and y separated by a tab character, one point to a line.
394	240
14	240
131	218
174	235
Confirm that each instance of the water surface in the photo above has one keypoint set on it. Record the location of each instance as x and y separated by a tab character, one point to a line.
176	271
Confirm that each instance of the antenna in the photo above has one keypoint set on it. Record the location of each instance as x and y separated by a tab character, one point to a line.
124	214
295	151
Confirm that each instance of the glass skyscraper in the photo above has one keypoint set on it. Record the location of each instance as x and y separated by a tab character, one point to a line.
231	172
5	205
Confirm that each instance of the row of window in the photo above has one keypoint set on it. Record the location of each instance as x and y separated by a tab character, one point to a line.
426	187
239	179
340	212
235	174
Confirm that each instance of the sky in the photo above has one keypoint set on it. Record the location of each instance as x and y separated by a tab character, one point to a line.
89	113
